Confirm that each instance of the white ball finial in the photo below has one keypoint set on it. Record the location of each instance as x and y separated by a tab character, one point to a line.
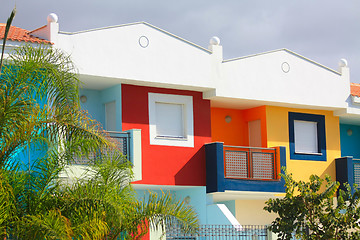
214	41
52	18
343	63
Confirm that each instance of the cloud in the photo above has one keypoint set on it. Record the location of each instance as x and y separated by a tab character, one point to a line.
322	30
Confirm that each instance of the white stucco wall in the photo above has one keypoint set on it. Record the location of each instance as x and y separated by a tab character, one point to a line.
122	54
115	52
262	78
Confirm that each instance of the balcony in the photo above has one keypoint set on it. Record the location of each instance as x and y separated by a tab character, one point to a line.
129	143
122	141
240	168
259	232
348	170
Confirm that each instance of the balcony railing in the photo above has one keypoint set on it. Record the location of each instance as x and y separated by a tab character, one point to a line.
250	163
237	168
347	171
122	141
356	171
212	232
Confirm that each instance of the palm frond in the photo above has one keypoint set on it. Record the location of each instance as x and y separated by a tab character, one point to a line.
164	210
51	225
7	28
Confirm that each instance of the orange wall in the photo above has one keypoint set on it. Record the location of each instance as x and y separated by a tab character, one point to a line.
236	132
231	133
258	113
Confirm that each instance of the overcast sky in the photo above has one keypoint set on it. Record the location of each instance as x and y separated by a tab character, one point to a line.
322	30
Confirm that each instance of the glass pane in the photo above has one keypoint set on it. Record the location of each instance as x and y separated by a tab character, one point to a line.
306	139
110	116
169	120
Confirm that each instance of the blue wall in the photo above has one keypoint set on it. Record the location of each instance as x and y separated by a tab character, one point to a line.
230	205
345	171
197	198
215	177
350	145
93	105
27	155
96	100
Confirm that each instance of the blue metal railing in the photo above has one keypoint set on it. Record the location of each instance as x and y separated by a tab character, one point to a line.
223	232
356	163
122	141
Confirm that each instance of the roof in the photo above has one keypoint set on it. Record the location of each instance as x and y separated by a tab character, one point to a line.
138	23
20	35
355	89
288	51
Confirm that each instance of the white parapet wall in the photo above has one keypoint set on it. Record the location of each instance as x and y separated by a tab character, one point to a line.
138	53
284	77
135	153
143	54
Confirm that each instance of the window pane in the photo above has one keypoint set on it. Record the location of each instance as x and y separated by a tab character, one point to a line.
110	116
306	139
169	120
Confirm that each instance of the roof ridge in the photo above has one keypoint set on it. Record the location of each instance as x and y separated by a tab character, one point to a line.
144	23
286	50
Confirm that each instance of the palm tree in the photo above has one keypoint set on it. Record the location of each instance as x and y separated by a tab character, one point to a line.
39	111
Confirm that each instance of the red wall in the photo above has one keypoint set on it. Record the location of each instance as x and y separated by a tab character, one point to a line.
167	165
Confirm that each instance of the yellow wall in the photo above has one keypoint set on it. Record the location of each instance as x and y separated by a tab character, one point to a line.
277	121
251	212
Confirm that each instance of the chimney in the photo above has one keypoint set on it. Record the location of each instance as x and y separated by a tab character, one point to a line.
49	31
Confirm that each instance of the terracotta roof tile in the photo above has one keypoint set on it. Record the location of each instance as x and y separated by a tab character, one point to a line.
20	35
355	89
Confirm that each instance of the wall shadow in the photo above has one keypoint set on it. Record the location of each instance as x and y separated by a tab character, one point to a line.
193	173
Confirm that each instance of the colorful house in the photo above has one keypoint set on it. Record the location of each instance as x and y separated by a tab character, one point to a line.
18	37
348	166
213	132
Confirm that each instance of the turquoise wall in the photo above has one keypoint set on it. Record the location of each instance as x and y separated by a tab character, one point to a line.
350	144
215	216
93	105
230	205
196	198
96	100
27	155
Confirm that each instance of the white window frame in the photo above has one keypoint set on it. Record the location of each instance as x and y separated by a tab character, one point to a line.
188	122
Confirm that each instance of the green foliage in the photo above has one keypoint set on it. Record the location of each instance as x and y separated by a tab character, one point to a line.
310	212
7	29
39	111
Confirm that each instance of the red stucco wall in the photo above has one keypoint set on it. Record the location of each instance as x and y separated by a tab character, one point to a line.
168	165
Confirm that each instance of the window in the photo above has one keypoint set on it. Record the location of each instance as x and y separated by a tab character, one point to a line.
110	116
307	136
171	120
306	139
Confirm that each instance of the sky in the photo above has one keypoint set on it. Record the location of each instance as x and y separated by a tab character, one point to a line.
322	30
